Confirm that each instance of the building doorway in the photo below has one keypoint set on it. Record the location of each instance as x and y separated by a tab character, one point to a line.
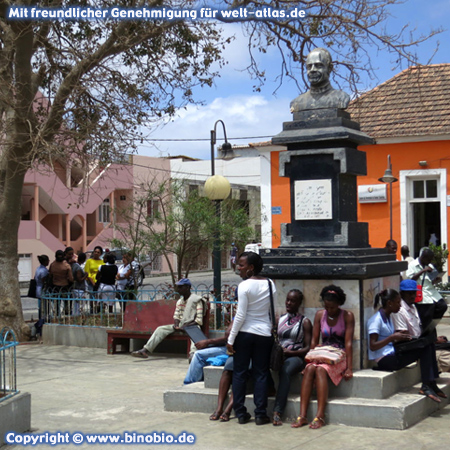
423	195
426	225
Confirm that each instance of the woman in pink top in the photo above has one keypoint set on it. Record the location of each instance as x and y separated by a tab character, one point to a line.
336	327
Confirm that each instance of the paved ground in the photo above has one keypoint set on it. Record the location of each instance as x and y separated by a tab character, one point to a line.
86	390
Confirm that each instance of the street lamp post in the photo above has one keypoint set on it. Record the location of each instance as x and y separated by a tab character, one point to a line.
217	188
389	179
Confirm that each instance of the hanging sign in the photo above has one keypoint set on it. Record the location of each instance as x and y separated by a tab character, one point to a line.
372	193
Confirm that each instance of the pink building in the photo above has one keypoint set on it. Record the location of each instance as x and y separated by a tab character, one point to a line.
62	207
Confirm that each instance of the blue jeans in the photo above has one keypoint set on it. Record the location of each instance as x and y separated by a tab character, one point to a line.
256	349
195	371
291	366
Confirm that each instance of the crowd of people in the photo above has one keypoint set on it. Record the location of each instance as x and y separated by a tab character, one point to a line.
73	279
400	332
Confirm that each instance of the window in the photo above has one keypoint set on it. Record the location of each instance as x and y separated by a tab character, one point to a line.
104	211
425	189
152	208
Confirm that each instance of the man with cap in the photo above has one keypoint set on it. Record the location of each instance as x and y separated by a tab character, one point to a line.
407	320
433	306
189	310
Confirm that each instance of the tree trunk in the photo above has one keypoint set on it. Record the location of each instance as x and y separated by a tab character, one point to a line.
10	213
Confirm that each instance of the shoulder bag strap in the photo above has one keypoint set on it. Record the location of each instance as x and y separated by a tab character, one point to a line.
272	309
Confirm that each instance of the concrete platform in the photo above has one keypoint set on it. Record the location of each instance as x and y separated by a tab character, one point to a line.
365	383
15	415
372	399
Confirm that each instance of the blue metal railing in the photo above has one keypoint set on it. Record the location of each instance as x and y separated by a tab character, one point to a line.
106	309
8	378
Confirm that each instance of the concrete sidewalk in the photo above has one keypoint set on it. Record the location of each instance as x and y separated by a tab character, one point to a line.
86	390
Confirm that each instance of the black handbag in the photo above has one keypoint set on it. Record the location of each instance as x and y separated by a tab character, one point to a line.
32	289
277	352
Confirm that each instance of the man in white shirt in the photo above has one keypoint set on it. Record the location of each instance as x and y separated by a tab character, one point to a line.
433	306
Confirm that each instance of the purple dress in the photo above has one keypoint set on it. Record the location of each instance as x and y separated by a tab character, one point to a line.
334	336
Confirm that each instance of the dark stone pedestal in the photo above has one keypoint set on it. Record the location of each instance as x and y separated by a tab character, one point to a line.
324	243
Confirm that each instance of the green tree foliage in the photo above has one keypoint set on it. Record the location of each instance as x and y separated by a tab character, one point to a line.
167	219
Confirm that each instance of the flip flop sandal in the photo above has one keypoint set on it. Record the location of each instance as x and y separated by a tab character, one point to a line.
139	354
317	422
276	420
439	392
428	392
214	416
225	417
300	421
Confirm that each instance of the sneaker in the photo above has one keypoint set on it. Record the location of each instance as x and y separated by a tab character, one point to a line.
244	419
263	420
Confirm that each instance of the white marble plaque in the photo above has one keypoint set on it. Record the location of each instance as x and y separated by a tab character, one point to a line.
313	200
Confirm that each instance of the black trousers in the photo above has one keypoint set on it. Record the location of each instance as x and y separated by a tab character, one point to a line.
427	360
430	314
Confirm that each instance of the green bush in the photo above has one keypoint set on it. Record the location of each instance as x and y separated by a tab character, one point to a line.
440	256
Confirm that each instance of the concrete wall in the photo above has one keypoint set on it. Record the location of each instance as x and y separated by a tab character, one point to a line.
15	415
74	336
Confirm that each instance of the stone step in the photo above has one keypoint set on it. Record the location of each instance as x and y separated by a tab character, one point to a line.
372	384
397	412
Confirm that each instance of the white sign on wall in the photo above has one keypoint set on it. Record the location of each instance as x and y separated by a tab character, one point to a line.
313	200
372	193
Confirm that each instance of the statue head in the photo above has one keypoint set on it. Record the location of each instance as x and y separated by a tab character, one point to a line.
318	67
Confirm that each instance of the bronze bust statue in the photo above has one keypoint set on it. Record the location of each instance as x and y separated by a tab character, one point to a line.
321	94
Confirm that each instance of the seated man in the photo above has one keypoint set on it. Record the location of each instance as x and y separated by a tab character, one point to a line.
433	306
407	321
208	348
188	311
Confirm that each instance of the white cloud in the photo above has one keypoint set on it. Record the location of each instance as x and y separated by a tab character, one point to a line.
251	116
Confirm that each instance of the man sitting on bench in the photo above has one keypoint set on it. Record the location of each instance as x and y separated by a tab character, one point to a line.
189	310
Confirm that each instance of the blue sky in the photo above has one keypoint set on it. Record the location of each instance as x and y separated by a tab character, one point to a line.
255	115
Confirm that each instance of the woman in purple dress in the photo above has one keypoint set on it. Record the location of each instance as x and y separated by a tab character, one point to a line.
336	327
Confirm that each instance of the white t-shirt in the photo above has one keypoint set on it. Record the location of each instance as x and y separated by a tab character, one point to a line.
123	270
253	312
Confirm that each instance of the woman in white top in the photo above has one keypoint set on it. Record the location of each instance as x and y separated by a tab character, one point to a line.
250	339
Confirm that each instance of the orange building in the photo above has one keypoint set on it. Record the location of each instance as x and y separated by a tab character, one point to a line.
409	118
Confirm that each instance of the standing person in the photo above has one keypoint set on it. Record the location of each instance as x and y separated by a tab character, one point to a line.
61	272
404	250
294	333
91	268
40	276
382	337
250	339
79	282
125	280
391	247
92	265
106	276
189	310
61	278
233	256
336	327
432	306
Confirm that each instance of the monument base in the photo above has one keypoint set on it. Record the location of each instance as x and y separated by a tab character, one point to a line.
361	273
